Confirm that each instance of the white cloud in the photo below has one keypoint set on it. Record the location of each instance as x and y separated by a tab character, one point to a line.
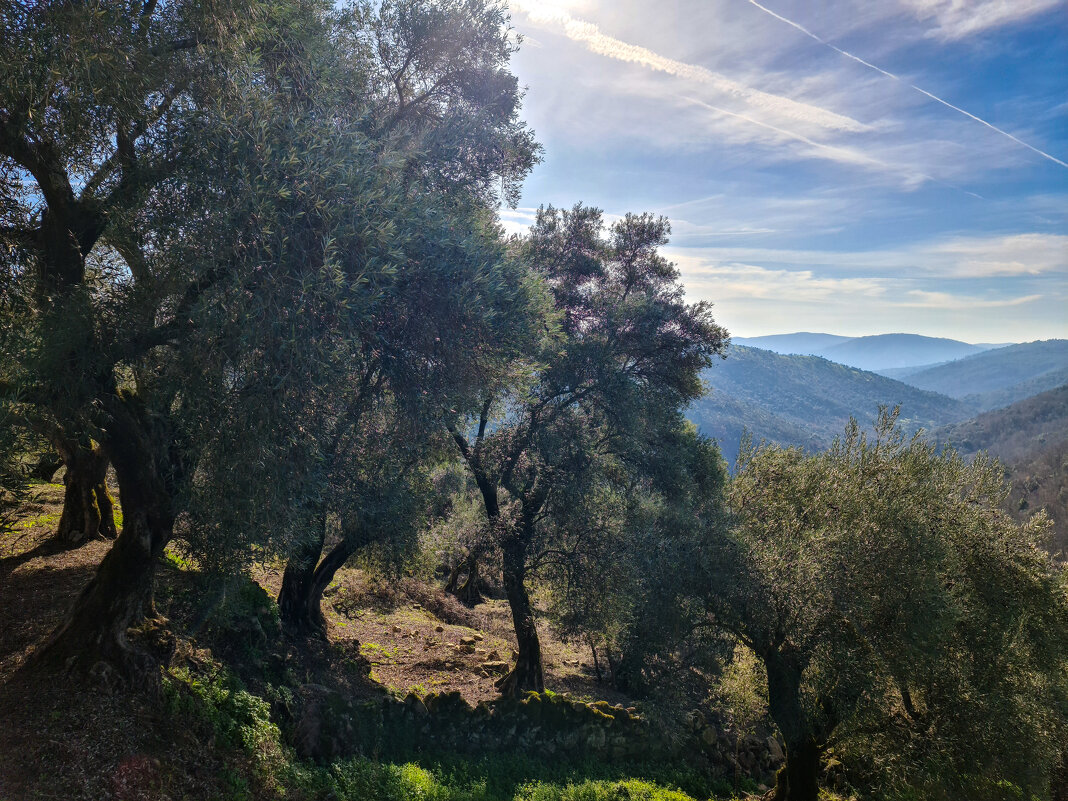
749	281
753	299
1017	254
957	19
960	257
923	299
591	36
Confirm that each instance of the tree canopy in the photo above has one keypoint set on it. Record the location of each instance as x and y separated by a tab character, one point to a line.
898	611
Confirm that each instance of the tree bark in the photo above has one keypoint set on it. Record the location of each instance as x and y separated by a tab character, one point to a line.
303	583
468	593
798	779
527	674
87	508
94	636
1058	783
299	615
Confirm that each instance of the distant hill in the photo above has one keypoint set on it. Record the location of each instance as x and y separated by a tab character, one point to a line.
886	351
805	400
893	355
1014	432
803	343
998	377
1030	437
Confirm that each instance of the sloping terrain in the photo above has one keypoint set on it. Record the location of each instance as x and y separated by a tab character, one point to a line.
805	400
1001	376
885	351
803	343
229	673
1039	482
1014	432
1030	438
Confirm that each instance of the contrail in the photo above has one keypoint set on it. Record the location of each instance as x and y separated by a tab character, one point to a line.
880	70
598	42
842	153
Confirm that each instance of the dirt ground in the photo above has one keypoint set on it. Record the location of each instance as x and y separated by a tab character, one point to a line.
60	740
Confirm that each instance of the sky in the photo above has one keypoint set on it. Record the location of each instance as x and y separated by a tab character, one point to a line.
847	166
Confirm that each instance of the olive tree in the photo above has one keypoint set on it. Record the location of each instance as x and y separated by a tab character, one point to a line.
207	255
624	347
900	615
439	94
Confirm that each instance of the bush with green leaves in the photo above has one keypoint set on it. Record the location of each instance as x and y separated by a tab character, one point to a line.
902	617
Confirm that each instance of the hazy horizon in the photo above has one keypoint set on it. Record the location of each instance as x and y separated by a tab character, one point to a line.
862	168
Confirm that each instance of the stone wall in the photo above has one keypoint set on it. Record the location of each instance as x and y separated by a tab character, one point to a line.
325	726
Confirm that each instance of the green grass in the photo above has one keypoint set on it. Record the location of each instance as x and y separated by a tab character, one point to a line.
212	702
43	521
489	779
379	654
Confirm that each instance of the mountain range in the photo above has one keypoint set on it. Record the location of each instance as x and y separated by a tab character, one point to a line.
1010	401
806	400
876	353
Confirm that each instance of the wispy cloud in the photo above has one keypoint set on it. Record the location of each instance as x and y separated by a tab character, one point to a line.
960	257
957	19
1016	254
922	299
737	280
955	4
598	42
846	155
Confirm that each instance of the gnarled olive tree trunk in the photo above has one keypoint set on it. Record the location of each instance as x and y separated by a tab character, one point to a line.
798	779
120	594
306	579
527	673
299	611
468	593
87	507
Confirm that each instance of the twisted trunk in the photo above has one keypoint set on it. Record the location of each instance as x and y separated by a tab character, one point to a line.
87	508
798	779
94	636
299	615
468	593
304	582
527	674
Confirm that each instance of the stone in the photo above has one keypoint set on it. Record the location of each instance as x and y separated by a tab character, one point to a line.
596	739
468	641
478	637
496	666
439	629
775	750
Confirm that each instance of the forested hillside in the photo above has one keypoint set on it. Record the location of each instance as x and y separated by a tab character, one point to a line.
1030	438
805	400
890	354
1000	376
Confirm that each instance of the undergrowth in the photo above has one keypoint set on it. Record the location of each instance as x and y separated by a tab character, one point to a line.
212	702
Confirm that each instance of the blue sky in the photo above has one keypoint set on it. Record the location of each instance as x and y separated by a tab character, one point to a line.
808	190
